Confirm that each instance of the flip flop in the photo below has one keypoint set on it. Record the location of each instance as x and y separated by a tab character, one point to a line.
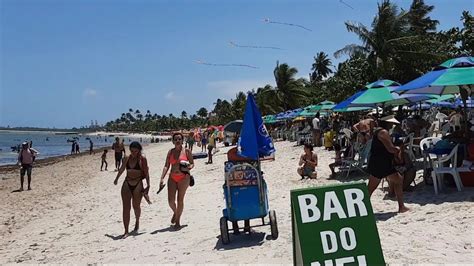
161	188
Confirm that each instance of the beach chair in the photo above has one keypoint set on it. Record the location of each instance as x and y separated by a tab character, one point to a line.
357	160
426	144
439	169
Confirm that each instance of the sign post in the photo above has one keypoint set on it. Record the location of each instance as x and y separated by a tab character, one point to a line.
334	225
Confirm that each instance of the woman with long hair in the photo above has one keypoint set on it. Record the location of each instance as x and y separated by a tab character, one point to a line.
180	161
132	188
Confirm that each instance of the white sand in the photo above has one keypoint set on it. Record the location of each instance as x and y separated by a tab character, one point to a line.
73	215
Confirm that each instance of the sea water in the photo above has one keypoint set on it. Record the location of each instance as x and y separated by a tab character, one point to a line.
50	144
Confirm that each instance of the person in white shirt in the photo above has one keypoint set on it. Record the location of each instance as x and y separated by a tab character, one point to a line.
26	157
316	131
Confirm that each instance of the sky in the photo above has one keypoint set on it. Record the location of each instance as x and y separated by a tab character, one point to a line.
65	63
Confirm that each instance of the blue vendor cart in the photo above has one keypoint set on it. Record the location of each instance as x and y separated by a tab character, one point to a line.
245	193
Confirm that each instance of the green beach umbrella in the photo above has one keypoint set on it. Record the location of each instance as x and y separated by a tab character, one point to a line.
448	78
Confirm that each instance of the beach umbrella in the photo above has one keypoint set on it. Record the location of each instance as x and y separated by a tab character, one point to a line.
324	105
440	98
308	111
233	126
443	104
448	78
469	103
423	106
299	118
376	93
254	141
373	94
292	113
269	119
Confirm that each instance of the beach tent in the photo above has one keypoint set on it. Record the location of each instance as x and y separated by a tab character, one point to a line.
254	140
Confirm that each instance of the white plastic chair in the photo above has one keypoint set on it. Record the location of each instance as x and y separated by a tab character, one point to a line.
409	140
439	169
425	144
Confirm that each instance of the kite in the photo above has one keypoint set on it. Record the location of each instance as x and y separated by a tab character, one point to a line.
224	65
346	4
267	20
254	46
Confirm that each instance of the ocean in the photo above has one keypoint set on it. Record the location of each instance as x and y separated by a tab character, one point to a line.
50	144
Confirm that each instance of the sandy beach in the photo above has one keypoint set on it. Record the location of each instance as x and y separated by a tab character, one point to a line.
73	215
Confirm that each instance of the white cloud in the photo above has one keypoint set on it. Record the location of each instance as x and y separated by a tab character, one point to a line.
169	95
229	88
90	93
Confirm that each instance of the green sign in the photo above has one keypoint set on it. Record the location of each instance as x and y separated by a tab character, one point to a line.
334	225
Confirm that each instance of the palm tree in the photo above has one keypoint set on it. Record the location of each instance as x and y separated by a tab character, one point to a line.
386	40
266	100
290	92
202	112
321	67
420	22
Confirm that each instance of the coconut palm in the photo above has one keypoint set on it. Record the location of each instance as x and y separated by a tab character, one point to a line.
290	92
384	41
321	67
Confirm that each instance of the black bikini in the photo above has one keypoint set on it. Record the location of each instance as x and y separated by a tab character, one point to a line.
137	167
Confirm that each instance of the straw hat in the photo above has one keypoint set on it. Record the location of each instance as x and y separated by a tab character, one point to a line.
390	119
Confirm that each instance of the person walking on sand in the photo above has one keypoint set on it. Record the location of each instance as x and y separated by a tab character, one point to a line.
132	188
104	160
316	131
380	163
26	157
180	161
119	150
308	162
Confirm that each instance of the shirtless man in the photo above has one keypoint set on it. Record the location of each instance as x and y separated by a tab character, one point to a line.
365	128
119	149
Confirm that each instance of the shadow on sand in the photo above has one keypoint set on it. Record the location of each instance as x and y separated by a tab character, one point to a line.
170	228
241	240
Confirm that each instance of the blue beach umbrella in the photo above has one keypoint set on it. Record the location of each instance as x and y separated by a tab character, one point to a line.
447	78
344	105
254	140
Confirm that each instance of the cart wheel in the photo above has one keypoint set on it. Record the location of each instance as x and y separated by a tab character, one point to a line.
224	231
273	224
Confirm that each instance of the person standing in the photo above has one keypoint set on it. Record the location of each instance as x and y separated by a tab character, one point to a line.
316	131
133	189
119	150
104	160
77	147
26	157
180	160
381	158
91	146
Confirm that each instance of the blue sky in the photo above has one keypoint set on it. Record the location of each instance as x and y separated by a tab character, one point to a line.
64	63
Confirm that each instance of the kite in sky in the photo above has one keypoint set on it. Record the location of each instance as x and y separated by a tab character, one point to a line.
254	46
346	4
224	65
267	20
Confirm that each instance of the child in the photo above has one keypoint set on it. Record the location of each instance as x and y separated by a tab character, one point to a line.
104	161
337	160
308	162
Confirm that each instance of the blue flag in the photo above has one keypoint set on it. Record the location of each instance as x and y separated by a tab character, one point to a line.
254	140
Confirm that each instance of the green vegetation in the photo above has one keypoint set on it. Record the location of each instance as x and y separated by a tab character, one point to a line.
399	45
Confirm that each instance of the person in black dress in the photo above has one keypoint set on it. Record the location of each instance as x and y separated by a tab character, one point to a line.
381	165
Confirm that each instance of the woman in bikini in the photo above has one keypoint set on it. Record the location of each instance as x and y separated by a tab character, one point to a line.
132	188
179	177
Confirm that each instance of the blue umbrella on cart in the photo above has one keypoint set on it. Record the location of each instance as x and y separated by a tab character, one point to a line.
254	142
